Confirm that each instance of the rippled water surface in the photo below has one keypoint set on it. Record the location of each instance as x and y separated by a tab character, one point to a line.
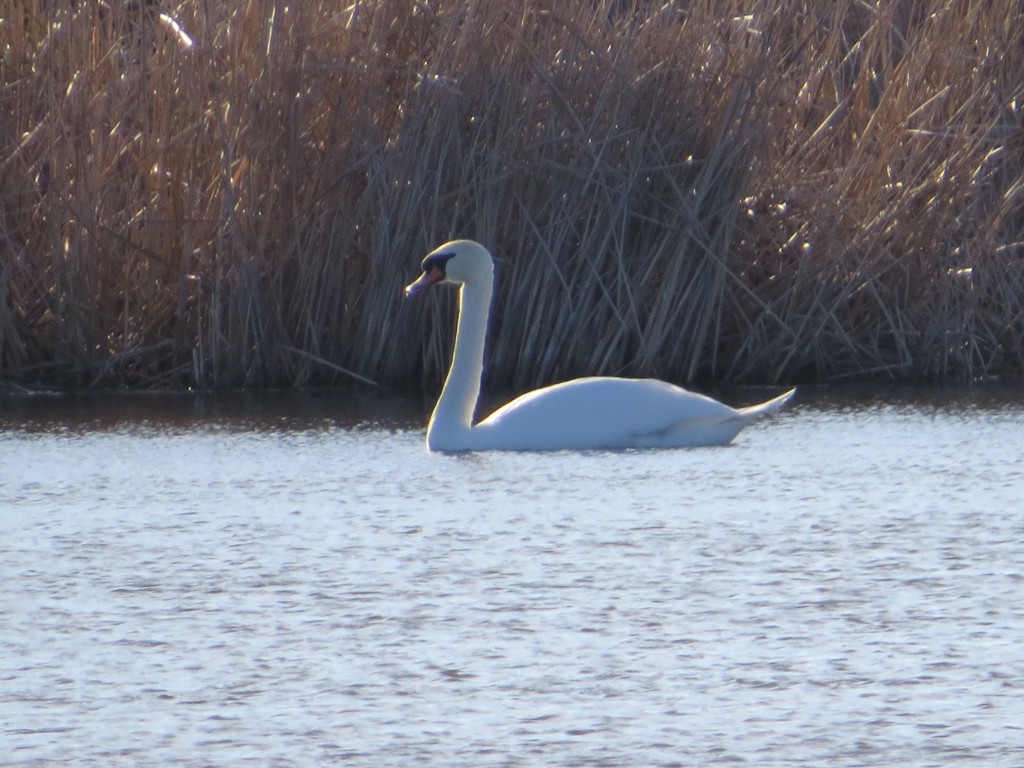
284	581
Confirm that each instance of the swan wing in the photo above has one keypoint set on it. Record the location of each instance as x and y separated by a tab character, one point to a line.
607	412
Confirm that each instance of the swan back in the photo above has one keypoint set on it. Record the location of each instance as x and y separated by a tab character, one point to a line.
596	413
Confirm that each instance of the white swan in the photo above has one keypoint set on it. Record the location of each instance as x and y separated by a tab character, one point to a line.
581	414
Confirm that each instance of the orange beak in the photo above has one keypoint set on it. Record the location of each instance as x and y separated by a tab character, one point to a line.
427	279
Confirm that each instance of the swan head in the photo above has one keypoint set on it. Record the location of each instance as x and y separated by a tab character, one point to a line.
460	261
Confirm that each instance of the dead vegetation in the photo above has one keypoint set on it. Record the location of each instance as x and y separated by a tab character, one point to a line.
739	191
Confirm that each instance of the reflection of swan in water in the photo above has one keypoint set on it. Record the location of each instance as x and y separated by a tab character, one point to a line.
581	414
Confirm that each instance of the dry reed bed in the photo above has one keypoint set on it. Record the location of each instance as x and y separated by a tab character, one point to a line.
746	191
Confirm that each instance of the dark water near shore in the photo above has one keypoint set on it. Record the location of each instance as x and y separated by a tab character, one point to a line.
292	580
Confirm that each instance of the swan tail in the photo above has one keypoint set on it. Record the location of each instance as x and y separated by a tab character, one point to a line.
753	412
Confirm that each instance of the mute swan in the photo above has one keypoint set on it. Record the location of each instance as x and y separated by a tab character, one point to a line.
581	414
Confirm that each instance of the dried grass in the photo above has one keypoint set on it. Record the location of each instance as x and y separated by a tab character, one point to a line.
744	191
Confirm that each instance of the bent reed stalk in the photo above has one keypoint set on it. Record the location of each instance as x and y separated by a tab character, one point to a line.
739	191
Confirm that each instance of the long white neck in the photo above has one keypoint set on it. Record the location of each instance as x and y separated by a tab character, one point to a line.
452	421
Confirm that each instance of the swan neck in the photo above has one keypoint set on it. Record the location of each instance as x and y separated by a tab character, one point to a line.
455	407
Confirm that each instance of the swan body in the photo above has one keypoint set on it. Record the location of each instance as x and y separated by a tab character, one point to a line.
592	413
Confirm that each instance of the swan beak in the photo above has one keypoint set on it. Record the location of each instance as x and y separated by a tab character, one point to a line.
428	278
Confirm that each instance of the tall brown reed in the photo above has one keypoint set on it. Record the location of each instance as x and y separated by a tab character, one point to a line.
893	187
747	191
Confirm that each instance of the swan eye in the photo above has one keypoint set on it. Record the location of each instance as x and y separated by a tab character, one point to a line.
438	261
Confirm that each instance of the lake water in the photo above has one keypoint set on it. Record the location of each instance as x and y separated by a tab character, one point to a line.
285	580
